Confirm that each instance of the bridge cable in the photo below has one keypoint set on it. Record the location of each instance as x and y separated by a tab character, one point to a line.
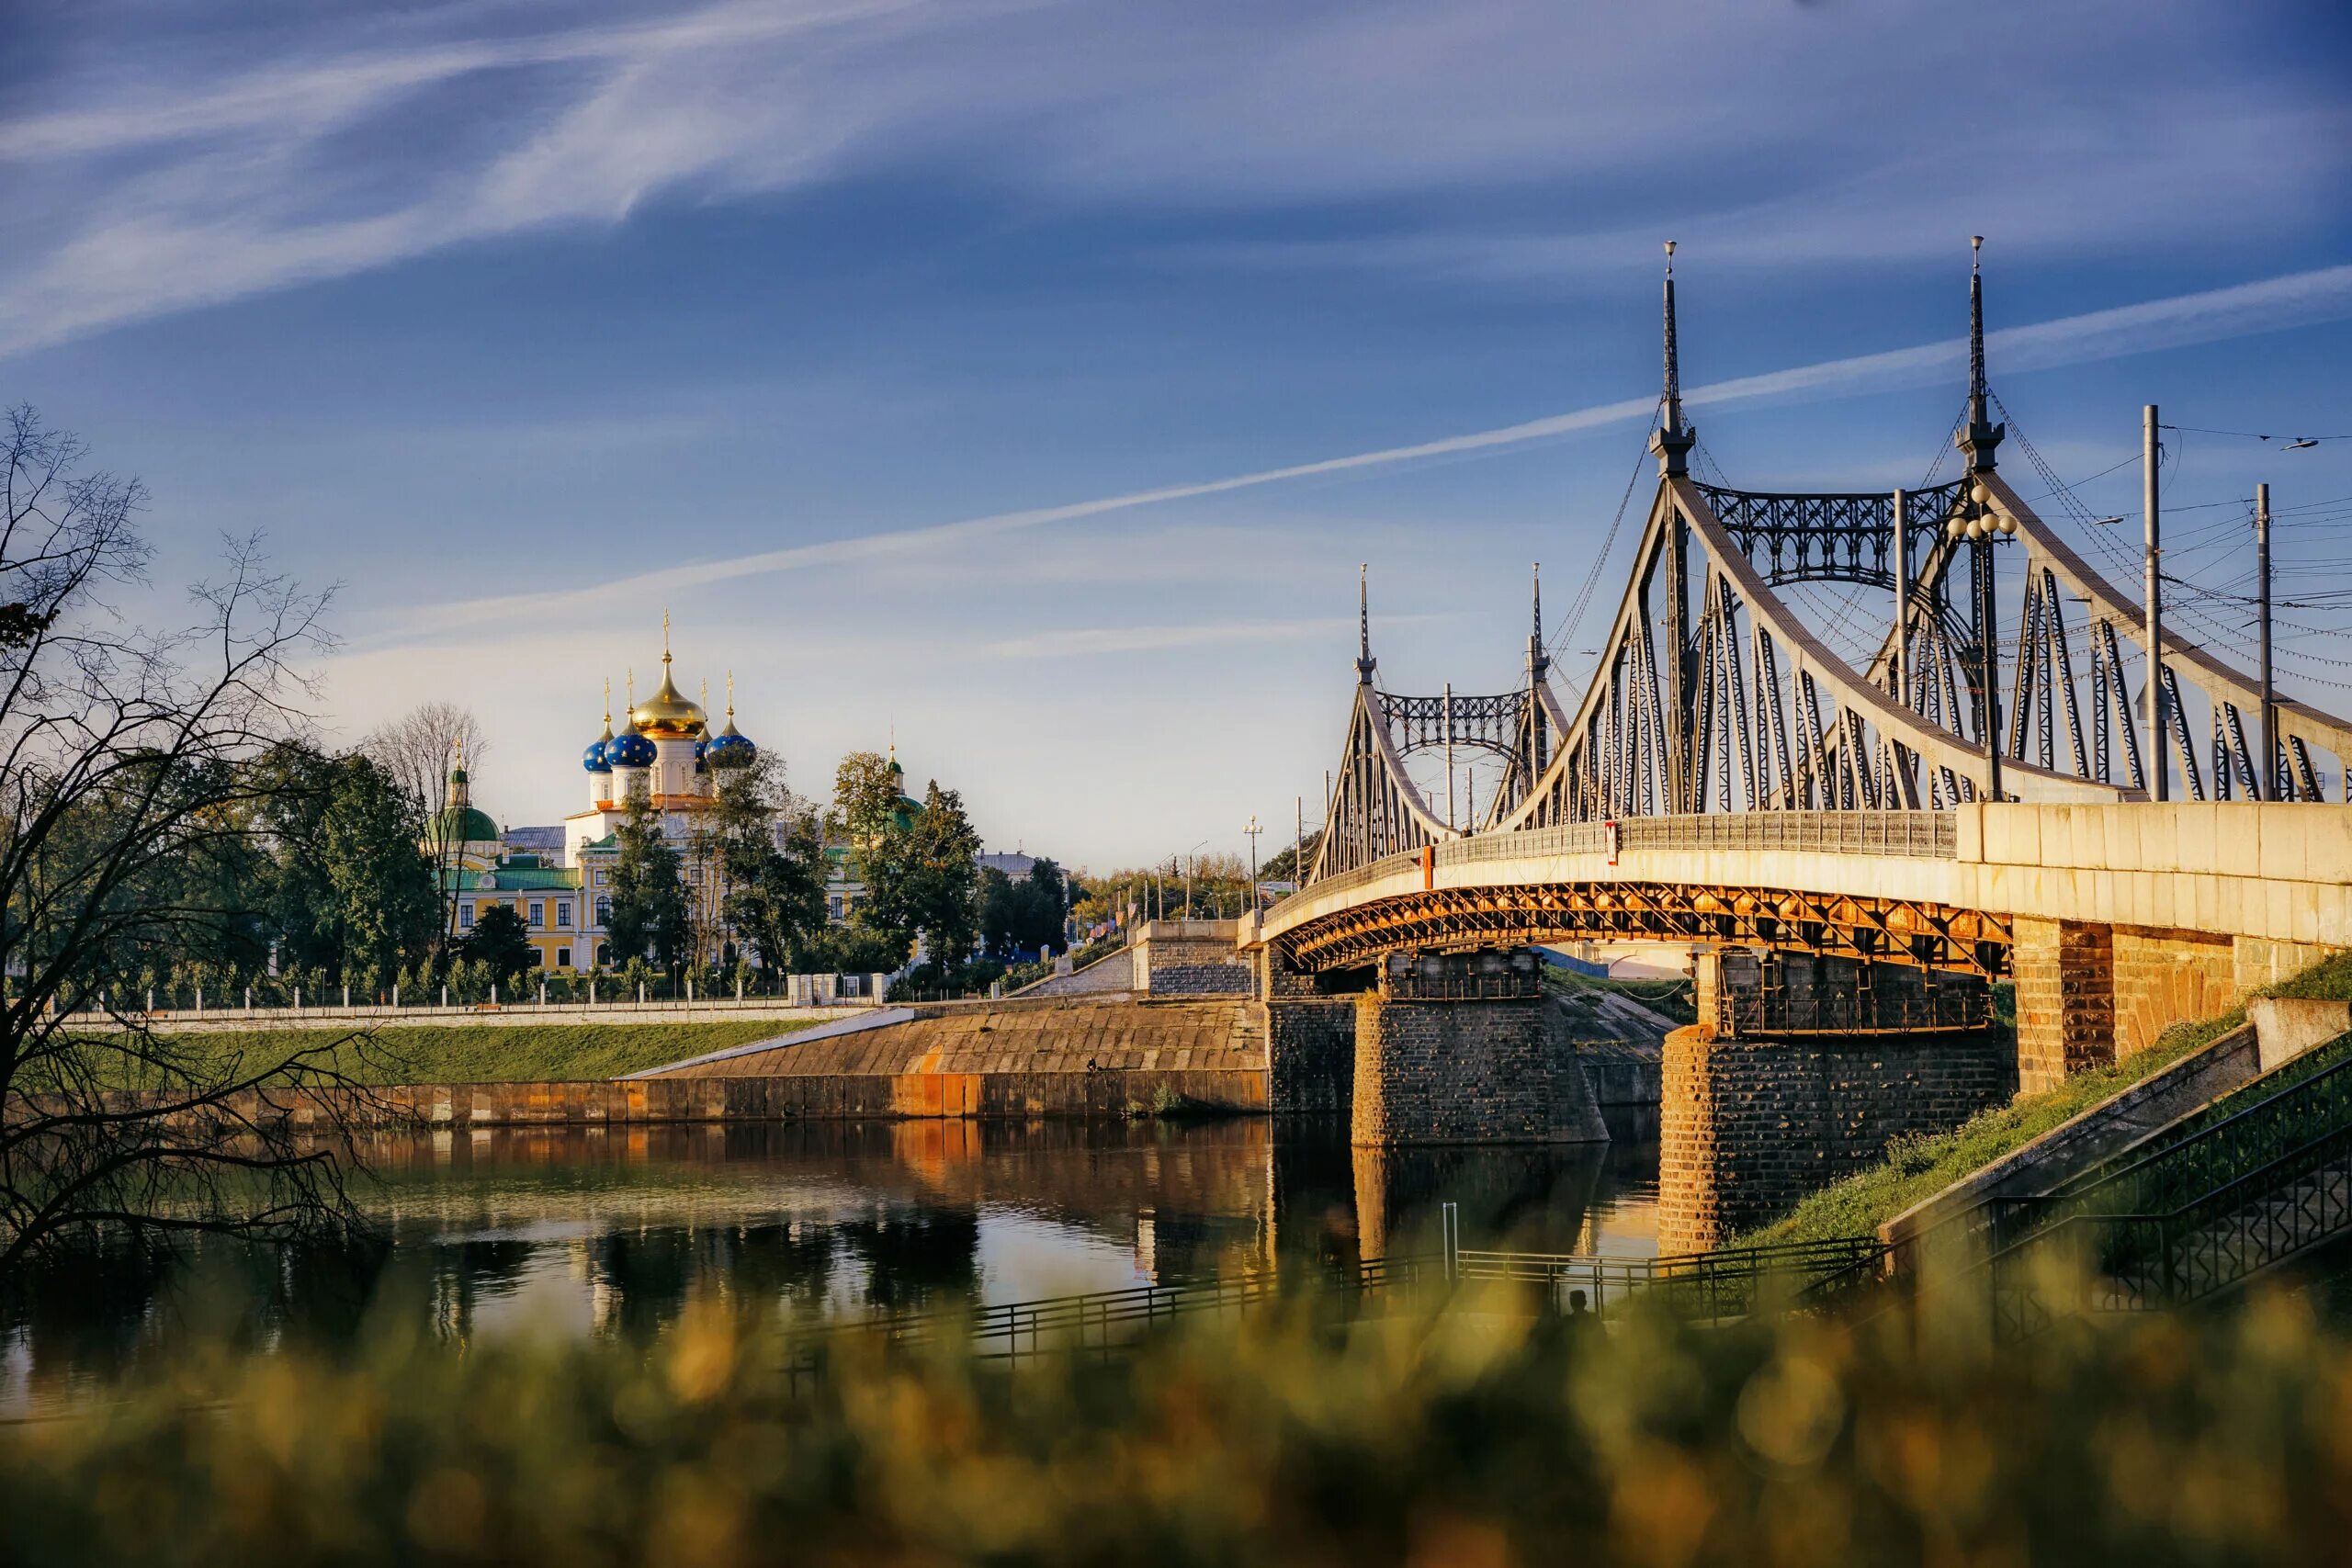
1583	599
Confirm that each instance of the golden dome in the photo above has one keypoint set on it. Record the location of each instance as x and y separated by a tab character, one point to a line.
668	714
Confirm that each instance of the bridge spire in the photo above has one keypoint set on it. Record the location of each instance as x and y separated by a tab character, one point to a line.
1673	440
1365	663
1979	439
1538	661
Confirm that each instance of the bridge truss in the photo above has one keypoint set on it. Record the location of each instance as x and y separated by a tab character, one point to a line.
2008	668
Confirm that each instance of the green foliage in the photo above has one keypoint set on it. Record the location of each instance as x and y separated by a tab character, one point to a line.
1284	864
500	943
867	789
1018	919
857	948
1671	997
1461	1438
649	918
921	878
2327	981
344	881
769	853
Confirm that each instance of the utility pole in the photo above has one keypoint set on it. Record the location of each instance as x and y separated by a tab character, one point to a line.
2267	783
2154	552
1901	557
1449	754
1253	830
1298	853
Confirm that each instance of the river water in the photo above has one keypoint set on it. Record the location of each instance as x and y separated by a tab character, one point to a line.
615	1230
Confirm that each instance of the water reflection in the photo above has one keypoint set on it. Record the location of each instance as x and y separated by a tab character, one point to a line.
584	1231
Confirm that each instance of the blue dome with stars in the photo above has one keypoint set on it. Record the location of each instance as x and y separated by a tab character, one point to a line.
630	750
729	750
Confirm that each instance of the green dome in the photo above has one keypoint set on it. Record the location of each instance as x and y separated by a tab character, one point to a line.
466	827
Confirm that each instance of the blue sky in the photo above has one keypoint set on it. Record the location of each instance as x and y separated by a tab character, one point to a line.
841	329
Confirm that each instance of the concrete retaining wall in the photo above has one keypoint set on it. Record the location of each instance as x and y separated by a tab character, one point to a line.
807	1097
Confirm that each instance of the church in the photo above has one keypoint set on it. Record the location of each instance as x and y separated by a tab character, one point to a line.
557	879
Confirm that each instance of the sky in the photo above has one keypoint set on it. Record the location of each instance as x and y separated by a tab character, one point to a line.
1026	380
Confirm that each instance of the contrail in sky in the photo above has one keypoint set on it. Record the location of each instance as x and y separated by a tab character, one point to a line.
2210	315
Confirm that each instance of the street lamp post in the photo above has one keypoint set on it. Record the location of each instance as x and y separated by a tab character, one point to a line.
1253	830
1977	520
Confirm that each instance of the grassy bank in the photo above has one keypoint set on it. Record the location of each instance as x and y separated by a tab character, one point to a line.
1671	997
543	1052
1917	1168
1464	1439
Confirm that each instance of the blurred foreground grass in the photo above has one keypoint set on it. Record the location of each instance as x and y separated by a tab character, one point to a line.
1463	1438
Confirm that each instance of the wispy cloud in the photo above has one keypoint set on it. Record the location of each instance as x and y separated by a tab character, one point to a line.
171	179
2208	315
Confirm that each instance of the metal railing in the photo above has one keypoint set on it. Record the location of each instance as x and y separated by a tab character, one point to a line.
2143	1262
1769	1012
1917	835
1101	1324
1707	1285
2209	1152
2218	1197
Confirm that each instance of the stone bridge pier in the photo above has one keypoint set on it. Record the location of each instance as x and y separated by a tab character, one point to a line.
1462	1048
1803	1068
1425	1048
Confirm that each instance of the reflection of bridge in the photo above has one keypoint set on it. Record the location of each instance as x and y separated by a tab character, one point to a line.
1985	789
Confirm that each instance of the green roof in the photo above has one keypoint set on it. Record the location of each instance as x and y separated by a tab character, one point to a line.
512	879
528	879
466	826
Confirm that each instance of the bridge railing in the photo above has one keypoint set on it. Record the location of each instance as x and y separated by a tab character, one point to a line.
1771	1012
1918	835
1105	1322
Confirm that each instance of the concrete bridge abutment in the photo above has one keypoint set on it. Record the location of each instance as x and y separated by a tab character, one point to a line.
1462	1048
2092	994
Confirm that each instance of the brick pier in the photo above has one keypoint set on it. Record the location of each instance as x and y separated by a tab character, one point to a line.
1461	1048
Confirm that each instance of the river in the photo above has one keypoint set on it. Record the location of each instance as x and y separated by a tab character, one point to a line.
613	1231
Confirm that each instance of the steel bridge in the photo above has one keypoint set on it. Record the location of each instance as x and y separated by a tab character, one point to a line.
1726	777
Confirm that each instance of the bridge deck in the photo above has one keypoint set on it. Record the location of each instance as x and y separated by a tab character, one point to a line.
2276	871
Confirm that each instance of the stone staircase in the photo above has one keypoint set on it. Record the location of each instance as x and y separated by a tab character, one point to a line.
2226	1195
1113	974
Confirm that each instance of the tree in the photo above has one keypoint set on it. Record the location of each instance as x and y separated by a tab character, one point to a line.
1284	866
1017	918
867	790
418	751
129	801
769	856
649	918
921	878
500	942
348	885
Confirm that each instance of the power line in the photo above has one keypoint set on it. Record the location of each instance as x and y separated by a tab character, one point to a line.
2251	434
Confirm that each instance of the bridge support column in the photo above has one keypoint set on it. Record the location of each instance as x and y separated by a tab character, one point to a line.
1461	1048
1310	1039
2065	981
1750	1125
1802	1067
